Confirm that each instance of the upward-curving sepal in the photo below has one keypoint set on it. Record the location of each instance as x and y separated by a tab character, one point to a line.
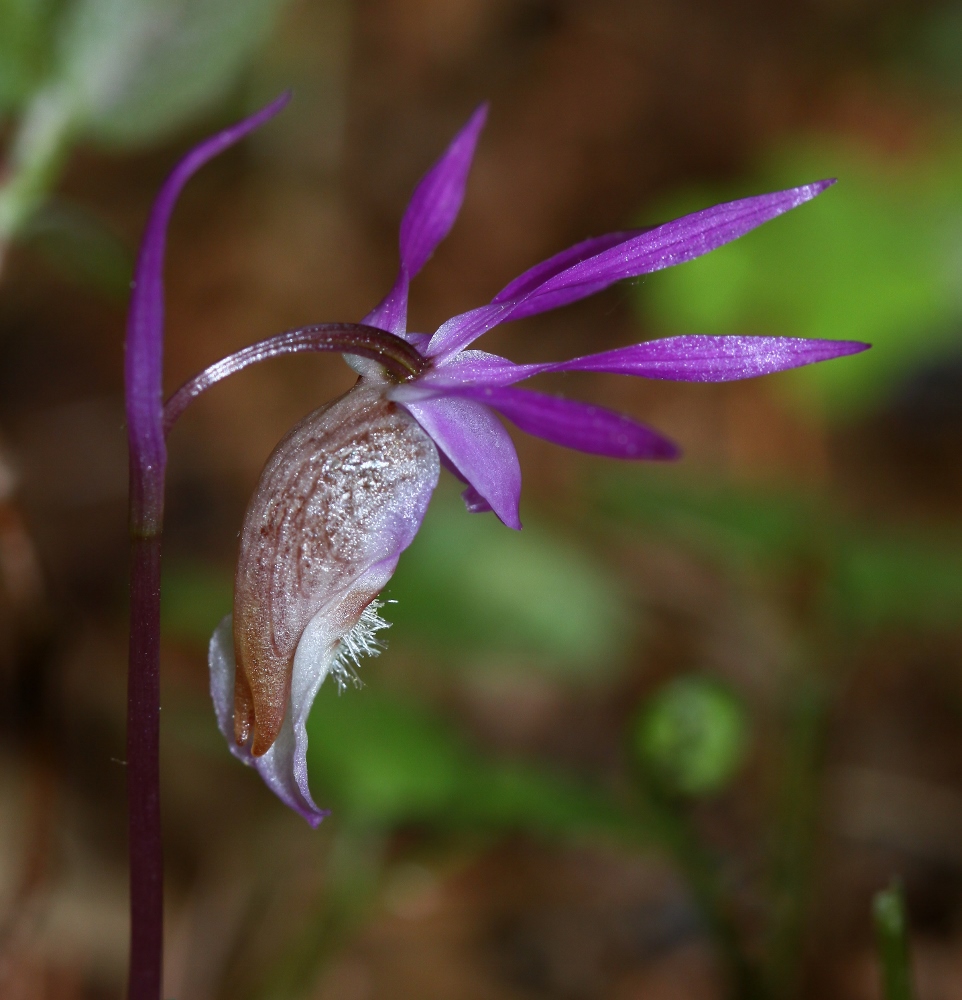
639	252
430	214
143	361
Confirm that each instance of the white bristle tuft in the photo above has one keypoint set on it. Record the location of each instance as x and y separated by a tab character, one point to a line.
360	642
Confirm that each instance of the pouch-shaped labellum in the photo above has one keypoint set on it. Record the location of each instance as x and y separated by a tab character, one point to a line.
338	501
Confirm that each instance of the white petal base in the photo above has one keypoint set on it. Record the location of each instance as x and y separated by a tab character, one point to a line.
284	766
319	652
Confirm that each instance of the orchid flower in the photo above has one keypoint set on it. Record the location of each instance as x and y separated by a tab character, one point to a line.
345	492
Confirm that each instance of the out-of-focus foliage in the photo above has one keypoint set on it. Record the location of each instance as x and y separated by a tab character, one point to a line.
912	582
78	244
467	583
138	68
878	258
892	941
120	72
935	47
691	736
743	529
26	33
194	599
870	578
384	761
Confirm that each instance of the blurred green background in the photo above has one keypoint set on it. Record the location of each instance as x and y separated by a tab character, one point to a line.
671	738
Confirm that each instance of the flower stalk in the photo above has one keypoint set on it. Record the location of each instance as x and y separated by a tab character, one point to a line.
143	773
143	377
397	356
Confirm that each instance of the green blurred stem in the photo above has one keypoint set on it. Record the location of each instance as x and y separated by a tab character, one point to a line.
795	830
38	150
355	867
891	935
665	822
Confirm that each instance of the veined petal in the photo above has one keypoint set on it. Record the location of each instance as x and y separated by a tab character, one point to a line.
582	426
688	358
677	241
430	214
650	250
436	201
339	499
391	313
472	438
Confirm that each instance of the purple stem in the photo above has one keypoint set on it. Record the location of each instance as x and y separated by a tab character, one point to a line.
143	376
143	774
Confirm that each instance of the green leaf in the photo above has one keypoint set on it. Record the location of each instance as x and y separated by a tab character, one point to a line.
892	942
744	529
872	579
469	583
77	243
383	761
508	796
139	68
875	258
896	582
26	43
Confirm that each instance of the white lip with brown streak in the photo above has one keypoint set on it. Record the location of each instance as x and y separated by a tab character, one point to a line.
338	501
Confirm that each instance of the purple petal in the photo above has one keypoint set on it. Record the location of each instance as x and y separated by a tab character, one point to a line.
461	330
143	365
476	368
678	241
429	217
690	358
391	313
540	273
473	501
511	301
472	438
696	358
653	249
581	426
437	199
